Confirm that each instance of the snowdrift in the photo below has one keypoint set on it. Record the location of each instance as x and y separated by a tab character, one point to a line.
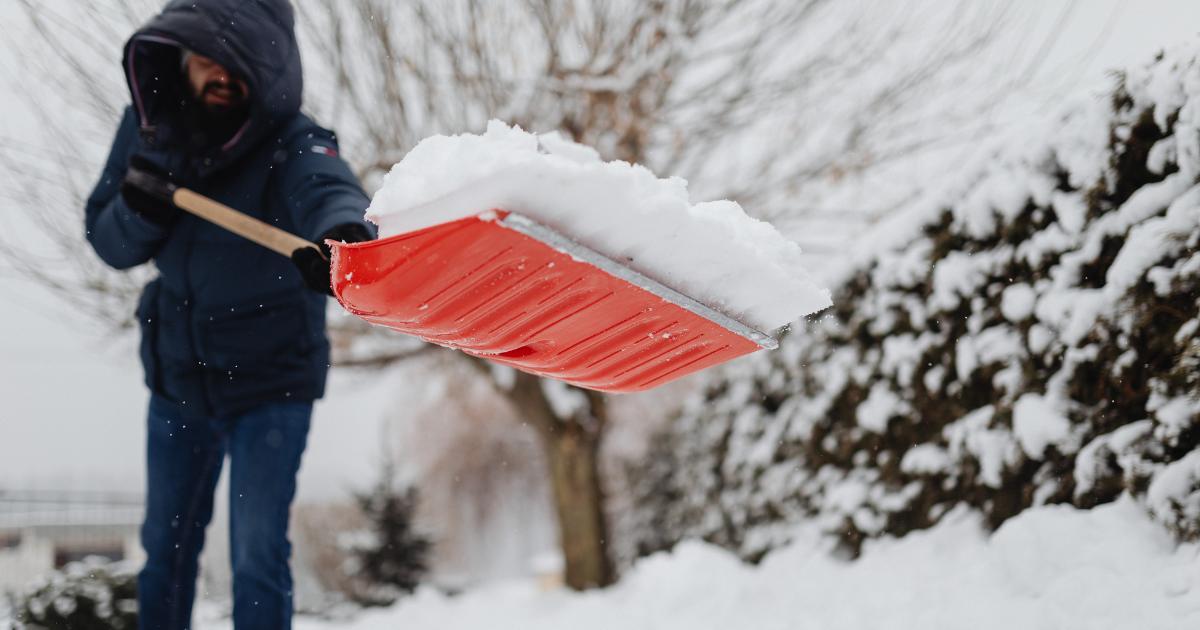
1038	571
1029	339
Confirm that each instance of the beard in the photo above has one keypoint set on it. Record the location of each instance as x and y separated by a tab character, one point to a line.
209	126
230	91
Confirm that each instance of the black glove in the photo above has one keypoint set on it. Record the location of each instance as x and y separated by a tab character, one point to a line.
147	190
314	267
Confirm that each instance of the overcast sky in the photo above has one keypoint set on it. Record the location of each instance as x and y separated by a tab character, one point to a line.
72	403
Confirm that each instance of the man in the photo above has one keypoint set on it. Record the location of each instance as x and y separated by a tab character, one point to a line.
233	335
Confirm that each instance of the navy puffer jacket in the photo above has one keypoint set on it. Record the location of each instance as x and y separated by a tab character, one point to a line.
227	325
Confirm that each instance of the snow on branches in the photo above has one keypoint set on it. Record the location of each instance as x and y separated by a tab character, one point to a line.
1033	342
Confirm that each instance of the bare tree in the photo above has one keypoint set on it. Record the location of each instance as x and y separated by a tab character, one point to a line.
67	69
751	99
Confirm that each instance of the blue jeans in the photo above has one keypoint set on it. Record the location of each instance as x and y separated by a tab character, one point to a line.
184	459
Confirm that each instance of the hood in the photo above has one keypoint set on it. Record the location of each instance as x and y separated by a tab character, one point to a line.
255	39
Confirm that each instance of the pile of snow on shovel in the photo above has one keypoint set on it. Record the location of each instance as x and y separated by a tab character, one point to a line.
711	251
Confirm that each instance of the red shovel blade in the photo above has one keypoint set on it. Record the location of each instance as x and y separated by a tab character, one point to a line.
512	291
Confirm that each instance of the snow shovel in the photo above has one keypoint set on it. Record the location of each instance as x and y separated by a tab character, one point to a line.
503	287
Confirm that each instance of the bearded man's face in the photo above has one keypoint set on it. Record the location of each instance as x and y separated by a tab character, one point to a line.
214	86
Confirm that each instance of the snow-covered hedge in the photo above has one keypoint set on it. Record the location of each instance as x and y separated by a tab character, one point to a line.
93	594
1033	342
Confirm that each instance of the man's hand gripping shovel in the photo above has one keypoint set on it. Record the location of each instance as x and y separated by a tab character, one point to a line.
265	234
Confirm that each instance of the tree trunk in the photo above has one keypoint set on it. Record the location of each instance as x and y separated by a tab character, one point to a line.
579	502
572	453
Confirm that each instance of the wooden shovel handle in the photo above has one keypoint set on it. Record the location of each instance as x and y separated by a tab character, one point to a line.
265	234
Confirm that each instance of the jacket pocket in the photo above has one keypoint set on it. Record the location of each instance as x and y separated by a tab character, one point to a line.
267	337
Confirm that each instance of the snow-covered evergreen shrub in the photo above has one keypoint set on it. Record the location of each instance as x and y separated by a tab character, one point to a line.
90	595
390	557
1034	342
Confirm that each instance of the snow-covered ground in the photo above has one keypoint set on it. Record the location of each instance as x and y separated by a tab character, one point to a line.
1051	567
